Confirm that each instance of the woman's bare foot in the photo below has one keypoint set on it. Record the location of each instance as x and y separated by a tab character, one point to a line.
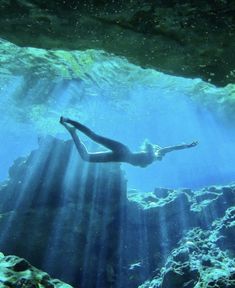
63	120
71	129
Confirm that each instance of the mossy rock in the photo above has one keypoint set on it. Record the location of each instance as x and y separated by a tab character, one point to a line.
17	272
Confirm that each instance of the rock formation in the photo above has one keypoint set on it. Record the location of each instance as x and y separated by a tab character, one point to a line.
79	225
186	217
36	74
17	272
67	224
190	38
198	260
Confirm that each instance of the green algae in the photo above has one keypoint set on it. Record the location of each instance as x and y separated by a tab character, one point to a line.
44	63
40	70
17	272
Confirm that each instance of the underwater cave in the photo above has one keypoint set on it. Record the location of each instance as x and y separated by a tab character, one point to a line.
112	225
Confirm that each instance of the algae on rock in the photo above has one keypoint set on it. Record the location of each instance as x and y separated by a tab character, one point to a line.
17	272
166	35
40	72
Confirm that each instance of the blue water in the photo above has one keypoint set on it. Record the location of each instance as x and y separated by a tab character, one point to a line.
161	109
129	115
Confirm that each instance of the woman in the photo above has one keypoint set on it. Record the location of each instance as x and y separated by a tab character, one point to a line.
119	152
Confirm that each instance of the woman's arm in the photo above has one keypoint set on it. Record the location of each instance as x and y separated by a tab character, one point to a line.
165	150
80	146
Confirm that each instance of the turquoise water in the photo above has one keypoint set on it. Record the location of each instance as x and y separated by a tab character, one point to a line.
74	220
164	111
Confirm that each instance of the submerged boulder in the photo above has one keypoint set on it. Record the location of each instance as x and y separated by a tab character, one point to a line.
17	272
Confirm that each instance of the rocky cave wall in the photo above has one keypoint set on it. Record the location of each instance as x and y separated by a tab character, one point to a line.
82	228
17	272
40	72
186	38
70	228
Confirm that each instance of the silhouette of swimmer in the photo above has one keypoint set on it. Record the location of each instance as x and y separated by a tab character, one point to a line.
119	152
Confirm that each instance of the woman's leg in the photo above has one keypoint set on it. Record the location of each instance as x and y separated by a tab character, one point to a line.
91	157
113	145
78	143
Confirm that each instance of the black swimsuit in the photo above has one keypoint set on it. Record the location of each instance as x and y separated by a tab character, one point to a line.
119	153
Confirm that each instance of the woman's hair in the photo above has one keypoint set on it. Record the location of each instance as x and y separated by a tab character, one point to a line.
149	147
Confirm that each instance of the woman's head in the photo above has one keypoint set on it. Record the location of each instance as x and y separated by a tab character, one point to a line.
153	149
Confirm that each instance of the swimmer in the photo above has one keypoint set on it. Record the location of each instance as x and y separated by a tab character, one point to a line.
119	152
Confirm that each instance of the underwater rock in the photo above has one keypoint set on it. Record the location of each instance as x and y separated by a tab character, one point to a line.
194	201
43	171
39	73
46	217
172	277
17	272
204	263
168	36
55	206
166	220
161	192
226	227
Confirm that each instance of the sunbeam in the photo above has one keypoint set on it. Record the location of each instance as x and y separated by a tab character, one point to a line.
77	219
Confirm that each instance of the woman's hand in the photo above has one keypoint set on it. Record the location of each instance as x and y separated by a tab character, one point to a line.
194	143
163	151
